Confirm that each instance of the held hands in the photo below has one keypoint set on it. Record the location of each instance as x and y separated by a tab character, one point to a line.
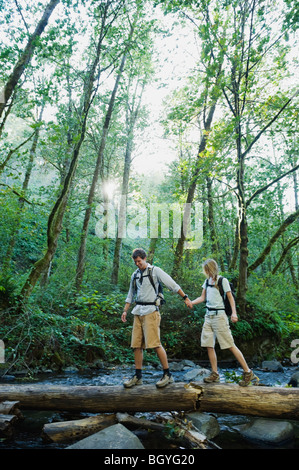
189	303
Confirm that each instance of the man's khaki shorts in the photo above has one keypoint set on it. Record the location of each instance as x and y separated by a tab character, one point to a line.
216	326
146	331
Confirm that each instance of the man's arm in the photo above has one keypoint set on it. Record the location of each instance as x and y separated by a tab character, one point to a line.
171	284
124	314
186	299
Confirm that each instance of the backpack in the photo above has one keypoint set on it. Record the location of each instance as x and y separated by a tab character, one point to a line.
160	296
227	307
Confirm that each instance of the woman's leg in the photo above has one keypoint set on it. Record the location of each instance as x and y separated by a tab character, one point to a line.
240	358
212	358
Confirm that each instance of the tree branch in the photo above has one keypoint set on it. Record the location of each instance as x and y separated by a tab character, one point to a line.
12	151
16	192
284	253
259	191
268	125
288	221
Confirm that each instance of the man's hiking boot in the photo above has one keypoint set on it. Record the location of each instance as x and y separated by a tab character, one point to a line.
248	378
165	380
213	377
132	382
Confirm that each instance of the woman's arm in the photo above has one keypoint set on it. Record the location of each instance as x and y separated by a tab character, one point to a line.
234	316
200	299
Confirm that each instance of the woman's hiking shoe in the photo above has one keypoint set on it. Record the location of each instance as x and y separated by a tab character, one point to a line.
165	380
213	377
248	377
132	382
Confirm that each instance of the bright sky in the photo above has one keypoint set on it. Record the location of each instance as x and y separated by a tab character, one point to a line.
177	55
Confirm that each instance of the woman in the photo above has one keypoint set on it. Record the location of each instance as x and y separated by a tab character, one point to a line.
216	323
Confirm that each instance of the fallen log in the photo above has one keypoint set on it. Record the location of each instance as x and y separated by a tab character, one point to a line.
9	414
222	398
269	402
102	399
10	408
76	429
6	425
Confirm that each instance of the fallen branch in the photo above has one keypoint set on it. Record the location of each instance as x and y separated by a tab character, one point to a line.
128	420
185	428
76	429
6	422
182	429
9	414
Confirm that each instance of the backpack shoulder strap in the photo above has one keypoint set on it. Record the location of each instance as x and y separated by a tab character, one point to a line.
150	275
220	285
134	280
209	285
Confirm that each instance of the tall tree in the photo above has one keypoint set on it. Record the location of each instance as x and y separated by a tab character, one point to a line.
26	56
251	41
242	34
107	10
132	114
25	185
82	249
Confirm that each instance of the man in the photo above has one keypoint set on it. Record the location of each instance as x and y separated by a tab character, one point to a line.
144	286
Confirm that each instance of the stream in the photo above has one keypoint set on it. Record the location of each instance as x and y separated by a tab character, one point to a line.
27	433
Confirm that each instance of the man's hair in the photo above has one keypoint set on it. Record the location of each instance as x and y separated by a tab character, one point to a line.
138	252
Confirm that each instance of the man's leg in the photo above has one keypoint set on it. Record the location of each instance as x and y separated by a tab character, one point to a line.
167	377
137	345
161	353
138	355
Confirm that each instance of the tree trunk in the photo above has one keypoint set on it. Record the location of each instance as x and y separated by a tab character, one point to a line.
151	250
132	115
191	191
216	252
57	214
27	54
122	210
219	398
16	225
82	250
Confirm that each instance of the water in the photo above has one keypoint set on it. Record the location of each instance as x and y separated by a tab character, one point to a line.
28	432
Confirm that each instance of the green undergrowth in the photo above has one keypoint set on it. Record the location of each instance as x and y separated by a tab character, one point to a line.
79	329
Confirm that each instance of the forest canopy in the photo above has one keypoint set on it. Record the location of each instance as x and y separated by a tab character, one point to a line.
166	125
